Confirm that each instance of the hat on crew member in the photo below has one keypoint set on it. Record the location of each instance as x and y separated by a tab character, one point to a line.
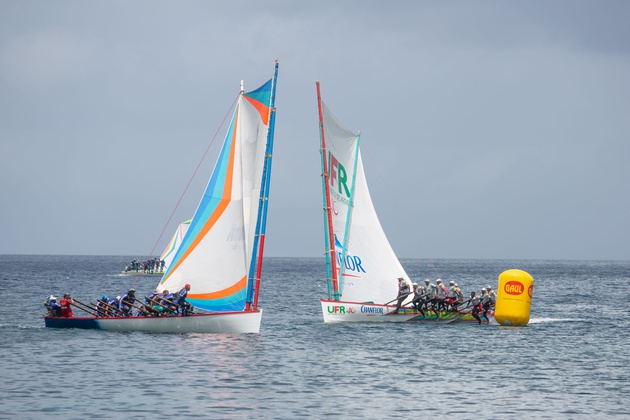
427	281
489	288
451	282
483	289
52	298
439	280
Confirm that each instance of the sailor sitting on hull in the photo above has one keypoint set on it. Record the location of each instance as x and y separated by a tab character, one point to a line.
431	299
185	308
441	295
475	302
126	302
403	292
419	298
52	306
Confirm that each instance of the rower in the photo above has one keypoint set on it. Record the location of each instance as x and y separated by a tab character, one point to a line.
126	301
185	308
52	306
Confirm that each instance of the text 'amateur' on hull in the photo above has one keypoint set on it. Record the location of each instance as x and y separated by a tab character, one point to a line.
226	322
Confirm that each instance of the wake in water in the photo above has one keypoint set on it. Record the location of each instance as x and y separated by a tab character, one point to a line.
547	320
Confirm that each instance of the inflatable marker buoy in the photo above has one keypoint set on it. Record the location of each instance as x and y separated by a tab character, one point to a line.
514	298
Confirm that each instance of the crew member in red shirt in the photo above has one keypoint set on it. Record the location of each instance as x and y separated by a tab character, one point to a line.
66	309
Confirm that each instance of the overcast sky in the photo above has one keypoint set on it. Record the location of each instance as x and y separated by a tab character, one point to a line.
490	129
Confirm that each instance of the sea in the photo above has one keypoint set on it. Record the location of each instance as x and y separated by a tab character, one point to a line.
571	361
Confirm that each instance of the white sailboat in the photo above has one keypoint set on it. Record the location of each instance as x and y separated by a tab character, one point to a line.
362	268
221	254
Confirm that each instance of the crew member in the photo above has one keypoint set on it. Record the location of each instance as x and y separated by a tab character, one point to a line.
166	299
52	306
419	294
476	306
441	294
431	292
185	308
485	303
125	302
403	292
493	296
101	307
66	309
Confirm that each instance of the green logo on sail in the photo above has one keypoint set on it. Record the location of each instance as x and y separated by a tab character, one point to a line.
337	175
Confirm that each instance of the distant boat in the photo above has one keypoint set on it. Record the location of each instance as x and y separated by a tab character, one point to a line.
221	253
155	266
147	268
361	266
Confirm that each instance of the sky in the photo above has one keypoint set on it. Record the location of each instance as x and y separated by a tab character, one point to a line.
489	129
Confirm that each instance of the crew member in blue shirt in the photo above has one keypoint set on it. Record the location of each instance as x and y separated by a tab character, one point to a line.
185	308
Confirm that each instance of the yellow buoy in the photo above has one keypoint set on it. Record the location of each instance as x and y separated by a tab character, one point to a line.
514	298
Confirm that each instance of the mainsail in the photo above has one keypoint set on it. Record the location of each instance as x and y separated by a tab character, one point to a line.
362	266
224	241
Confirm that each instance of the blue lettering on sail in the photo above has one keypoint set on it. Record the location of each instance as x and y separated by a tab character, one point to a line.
371	310
352	263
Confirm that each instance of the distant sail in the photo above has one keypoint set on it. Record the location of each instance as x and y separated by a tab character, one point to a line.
169	253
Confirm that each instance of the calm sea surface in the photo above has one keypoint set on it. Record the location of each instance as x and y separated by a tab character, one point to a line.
571	361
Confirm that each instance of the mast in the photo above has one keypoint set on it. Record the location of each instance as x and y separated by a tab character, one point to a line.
261	221
331	266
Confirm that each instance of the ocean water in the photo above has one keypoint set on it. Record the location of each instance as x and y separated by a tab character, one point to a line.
571	361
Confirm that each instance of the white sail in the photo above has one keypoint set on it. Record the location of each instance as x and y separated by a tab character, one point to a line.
216	254
367	266
173	245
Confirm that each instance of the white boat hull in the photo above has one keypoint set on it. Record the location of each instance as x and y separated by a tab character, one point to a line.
344	311
134	273
227	322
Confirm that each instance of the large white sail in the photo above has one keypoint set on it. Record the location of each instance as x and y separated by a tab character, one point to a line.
216	253
366	264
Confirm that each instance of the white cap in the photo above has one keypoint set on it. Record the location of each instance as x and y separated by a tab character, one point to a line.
455	284
489	287
427	280
451	282
415	284
483	289
52	298
439	280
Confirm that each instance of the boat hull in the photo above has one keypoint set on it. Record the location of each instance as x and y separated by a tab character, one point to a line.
344	311
141	273
226	322
465	316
